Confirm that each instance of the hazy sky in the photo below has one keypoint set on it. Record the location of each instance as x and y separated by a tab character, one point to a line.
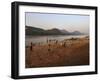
61	21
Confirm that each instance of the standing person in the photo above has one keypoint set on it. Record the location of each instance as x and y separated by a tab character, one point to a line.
31	46
49	47
56	41
47	40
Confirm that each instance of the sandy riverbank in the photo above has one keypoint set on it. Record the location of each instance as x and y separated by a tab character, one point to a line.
72	52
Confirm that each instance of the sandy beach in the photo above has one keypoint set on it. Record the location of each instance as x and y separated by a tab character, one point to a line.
69	52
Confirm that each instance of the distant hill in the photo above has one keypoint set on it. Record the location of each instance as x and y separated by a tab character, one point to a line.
54	31
65	32
34	31
39	31
76	33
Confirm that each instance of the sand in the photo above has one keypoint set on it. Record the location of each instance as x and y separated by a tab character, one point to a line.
69	52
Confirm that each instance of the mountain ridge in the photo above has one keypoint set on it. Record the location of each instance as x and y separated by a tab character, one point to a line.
39	31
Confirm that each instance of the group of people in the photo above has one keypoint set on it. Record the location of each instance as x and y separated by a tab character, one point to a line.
52	42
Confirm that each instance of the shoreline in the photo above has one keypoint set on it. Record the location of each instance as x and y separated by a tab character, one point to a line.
38	39
69	52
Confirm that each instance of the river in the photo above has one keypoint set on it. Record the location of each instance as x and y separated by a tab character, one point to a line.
43	39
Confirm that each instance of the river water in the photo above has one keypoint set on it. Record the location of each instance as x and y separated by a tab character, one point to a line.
43	39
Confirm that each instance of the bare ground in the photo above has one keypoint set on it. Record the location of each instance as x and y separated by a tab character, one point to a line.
77	53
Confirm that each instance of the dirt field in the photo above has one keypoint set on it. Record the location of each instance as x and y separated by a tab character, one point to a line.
69	52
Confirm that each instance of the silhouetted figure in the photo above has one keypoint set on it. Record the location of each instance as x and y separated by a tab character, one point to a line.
49	47
56	41
31	46
39	43
64	44
47	40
